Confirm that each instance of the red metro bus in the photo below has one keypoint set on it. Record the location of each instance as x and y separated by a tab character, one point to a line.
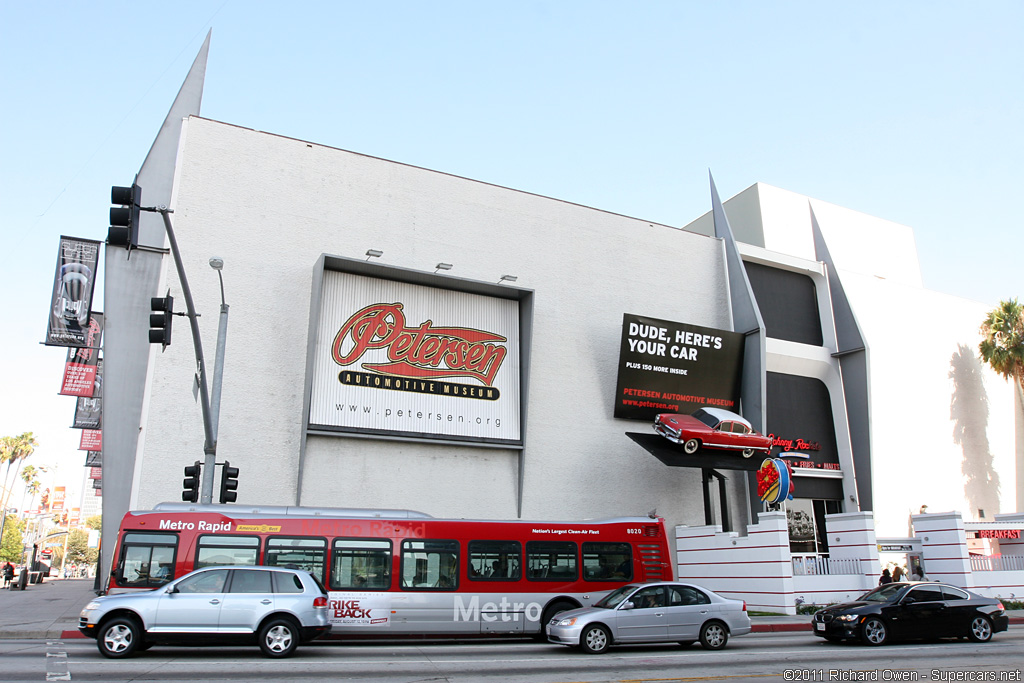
401	572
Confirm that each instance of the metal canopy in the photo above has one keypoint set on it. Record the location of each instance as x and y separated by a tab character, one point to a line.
673	456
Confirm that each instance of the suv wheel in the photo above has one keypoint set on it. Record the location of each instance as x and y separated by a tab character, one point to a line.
119	638
279	638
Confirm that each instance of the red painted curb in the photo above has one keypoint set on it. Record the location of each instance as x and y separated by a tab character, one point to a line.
778	628
66	635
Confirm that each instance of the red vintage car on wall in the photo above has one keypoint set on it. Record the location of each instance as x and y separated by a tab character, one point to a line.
712	428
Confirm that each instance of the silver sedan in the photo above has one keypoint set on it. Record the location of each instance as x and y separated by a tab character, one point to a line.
652	613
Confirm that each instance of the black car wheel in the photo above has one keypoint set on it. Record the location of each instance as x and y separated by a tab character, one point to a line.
279	638
119	638
595	639
981	630
691	446
874	632
713	635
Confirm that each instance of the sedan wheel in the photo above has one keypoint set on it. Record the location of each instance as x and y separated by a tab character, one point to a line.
691	446
279	638
874	632
119	638
595	639
981	630
713	635
747	452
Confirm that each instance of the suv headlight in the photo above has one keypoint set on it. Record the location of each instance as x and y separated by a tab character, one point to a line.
91	606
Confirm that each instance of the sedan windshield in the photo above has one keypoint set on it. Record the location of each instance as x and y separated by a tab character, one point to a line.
612	600
883	593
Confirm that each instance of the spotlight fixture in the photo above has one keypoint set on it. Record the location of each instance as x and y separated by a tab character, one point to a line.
373	253
443	266
217	263
508	278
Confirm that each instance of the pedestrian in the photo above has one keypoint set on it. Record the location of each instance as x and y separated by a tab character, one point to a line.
885	578
8	574
897	574
918	573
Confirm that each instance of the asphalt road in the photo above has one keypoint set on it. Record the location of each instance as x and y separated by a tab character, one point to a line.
756	657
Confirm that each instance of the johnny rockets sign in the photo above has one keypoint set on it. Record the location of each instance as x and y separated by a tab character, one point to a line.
394	358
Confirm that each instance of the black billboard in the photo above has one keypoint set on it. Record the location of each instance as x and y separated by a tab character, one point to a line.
671	367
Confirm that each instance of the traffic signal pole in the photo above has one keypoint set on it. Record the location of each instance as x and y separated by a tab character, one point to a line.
210	445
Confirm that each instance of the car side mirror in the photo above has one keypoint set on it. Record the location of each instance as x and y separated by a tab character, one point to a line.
627	605
909	600
172	589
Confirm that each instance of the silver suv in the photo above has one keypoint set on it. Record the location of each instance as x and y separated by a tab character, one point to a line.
275	606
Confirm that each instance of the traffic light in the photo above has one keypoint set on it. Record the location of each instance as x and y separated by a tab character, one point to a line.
124	219
228	483
191	482
160	319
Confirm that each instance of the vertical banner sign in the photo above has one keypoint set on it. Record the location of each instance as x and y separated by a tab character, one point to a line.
92	440
80	369
670	367
88	410
94	459
73	284
395	358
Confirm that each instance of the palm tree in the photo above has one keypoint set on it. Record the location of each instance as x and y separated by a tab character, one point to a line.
30	475
13	450
1003	346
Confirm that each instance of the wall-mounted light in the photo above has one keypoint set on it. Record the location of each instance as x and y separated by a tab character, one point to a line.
373	253
508	278
443	266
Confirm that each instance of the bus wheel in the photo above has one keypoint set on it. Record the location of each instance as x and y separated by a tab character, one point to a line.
549	614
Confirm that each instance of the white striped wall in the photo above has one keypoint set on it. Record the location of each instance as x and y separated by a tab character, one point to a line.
944	548
756	568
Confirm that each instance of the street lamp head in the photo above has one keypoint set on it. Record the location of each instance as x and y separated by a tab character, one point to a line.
217	263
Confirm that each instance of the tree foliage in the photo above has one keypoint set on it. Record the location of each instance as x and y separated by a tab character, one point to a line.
79	551
12	545
1003	345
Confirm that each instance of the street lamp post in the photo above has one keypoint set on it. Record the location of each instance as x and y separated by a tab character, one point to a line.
206	495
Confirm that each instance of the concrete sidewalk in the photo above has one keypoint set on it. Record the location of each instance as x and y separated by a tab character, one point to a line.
44	610
50	610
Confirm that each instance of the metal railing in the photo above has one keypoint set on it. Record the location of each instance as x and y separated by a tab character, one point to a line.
823	565
997	563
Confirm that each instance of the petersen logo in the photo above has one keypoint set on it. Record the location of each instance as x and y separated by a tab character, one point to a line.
418	357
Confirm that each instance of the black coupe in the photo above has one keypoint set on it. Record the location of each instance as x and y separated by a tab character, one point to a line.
915	610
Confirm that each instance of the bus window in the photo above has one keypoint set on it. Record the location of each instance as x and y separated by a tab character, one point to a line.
297	553
551	560
607	562
222	550
360	565
147	560
430	564
494	560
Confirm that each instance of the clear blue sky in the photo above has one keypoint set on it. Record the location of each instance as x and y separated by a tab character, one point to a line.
910	111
